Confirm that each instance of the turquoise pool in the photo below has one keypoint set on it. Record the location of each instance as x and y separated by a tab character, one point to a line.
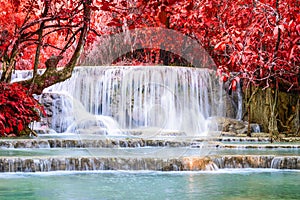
222	184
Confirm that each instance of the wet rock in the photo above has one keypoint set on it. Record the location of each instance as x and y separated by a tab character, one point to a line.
198	164
56	118
232	127
40	130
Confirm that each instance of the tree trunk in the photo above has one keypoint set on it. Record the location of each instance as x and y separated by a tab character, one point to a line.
272	96
249	111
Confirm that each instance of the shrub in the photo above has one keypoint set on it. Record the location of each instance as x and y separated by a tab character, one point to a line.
17	110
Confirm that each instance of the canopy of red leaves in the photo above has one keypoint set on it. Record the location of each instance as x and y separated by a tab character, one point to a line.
258	39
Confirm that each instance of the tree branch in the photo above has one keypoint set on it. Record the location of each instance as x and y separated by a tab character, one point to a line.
40	38
52	75
71	40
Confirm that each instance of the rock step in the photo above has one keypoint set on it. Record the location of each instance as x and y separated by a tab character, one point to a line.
46	164
89	143
259	146
136	142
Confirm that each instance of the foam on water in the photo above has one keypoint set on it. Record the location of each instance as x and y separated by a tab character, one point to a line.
245	171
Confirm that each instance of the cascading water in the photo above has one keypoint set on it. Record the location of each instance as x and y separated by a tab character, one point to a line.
107	100
68	115
159	97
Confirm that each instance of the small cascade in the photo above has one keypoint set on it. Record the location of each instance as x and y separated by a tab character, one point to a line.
88	163
159	97
276	162
66	114
258	161
20	75
98	142
244	161
255	128
239	102
211	167
286	162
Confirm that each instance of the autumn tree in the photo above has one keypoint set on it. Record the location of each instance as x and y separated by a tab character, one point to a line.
260	41
37	34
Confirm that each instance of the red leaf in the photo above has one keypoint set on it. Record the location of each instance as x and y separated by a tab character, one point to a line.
2	118
298	29
7	130
220	46
124	3
105	7
114	22
233	85
224	78
163	18
171	2
20	127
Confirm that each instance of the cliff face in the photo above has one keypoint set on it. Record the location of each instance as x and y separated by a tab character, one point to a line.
286	107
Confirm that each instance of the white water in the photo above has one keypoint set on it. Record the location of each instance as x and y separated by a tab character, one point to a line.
160	97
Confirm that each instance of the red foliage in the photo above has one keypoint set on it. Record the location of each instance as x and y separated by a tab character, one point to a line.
17	109
20	23
37	34
258	39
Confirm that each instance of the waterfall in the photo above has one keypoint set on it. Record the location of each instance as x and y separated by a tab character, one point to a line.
86	163
158	97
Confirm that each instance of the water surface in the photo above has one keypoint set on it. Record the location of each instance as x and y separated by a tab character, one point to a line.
157	152
221	184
